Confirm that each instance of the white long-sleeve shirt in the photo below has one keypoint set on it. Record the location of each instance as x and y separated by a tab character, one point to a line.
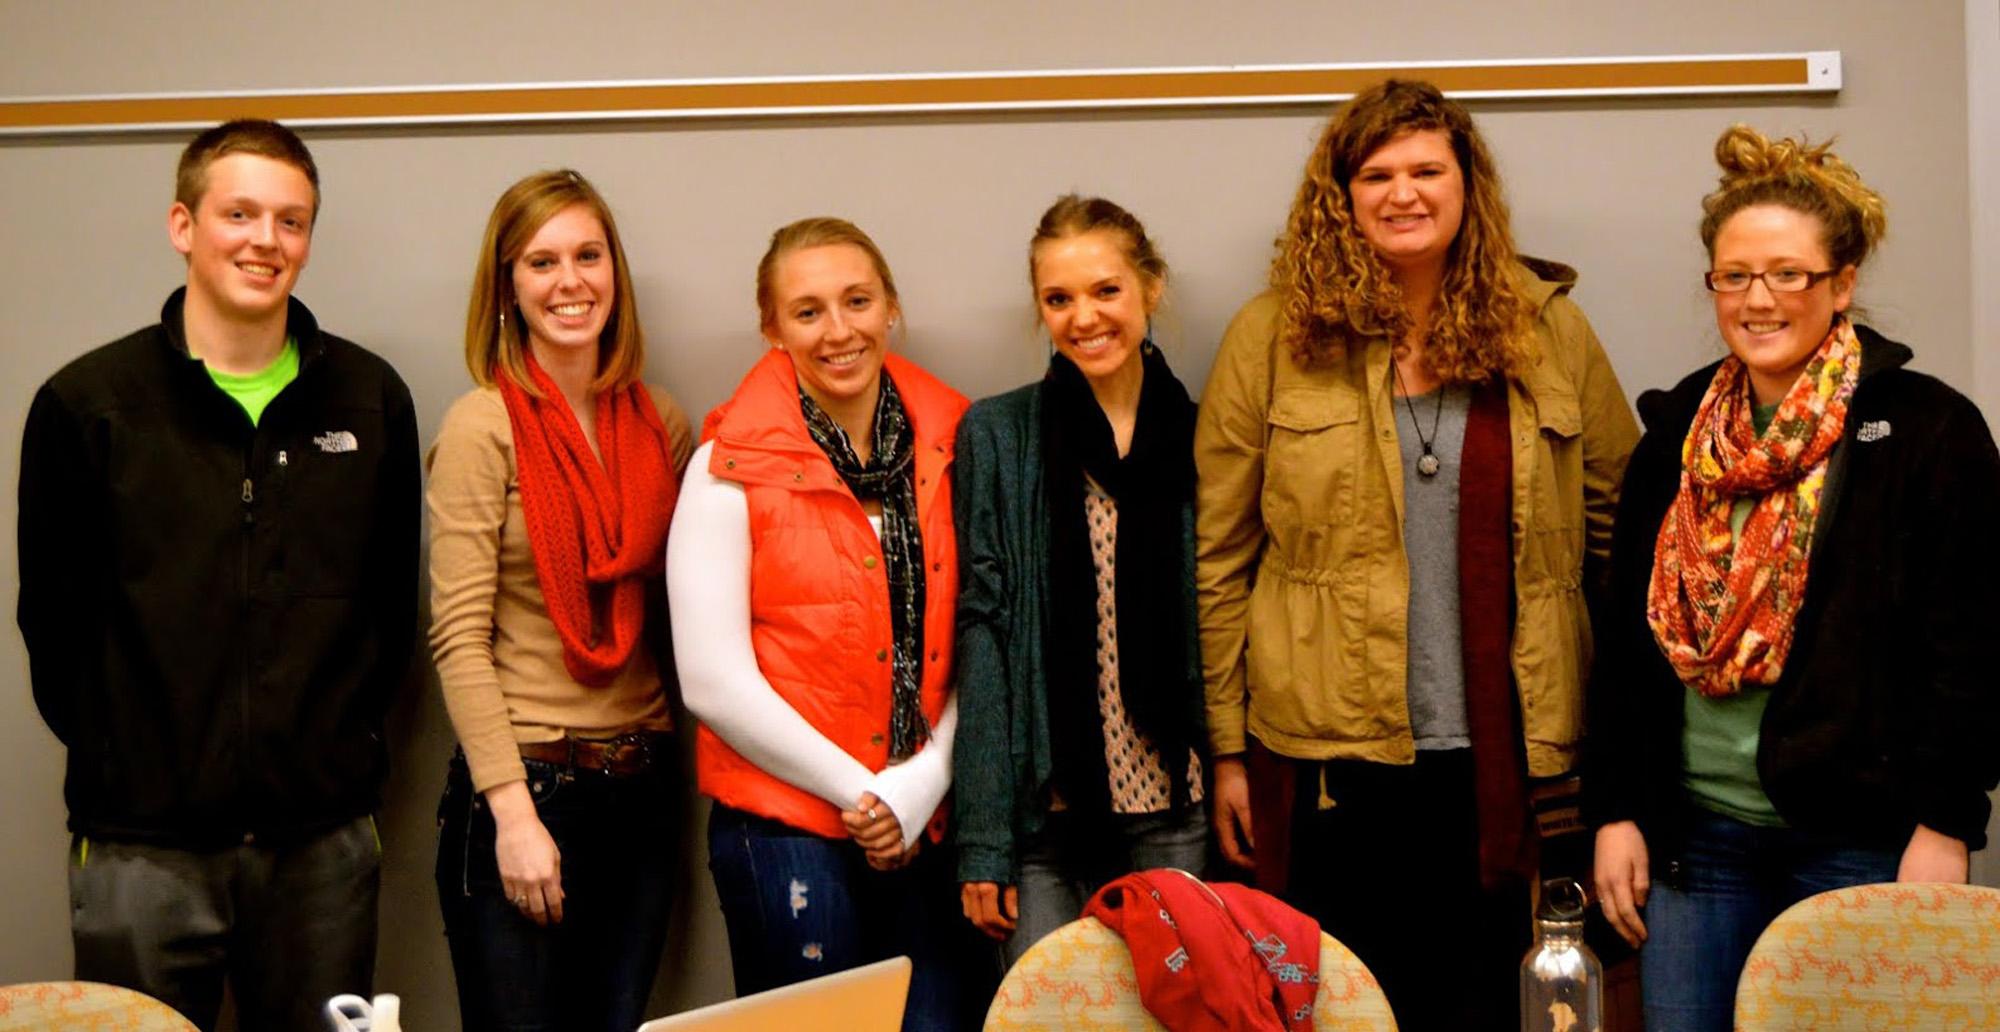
708	590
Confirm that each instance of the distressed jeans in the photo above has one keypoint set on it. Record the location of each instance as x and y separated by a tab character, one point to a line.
799	906
1708	905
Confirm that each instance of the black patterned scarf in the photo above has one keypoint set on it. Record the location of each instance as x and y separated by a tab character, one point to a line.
889	476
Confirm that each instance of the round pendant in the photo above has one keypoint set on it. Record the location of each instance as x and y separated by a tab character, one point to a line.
1427	464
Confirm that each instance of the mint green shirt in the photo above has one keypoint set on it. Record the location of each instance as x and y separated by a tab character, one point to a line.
1719	736
255	390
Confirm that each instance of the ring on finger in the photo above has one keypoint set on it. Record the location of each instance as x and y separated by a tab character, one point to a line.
871	813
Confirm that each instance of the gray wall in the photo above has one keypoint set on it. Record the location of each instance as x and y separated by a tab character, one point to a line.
1610	187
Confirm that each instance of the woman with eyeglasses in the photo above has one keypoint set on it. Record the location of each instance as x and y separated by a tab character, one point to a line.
1793	692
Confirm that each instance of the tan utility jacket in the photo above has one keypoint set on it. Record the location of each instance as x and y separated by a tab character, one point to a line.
1303	584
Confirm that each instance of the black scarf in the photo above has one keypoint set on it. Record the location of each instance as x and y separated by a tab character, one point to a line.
1151	485
889	476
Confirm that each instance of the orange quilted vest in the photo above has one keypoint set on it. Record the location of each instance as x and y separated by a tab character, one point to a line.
819	593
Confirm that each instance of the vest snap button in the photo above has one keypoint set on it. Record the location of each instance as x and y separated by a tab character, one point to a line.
798	477
869	562
881	654
729	464
875	739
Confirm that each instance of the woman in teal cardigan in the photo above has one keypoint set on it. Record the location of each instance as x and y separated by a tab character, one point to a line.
1078	761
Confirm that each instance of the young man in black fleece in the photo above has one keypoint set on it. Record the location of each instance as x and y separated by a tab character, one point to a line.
218	548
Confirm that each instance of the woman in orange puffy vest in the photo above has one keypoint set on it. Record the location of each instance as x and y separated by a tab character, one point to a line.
813	582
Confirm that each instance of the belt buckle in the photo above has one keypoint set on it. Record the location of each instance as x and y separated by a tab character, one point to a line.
634	740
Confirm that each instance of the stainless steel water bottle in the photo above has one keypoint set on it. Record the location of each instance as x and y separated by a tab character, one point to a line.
1562	983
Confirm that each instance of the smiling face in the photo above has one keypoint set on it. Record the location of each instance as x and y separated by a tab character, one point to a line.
830	312
248	237
564	286
1094	303
1775	334
1408	199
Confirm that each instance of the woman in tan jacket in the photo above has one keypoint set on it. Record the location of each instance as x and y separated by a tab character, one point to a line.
1408	450
552	484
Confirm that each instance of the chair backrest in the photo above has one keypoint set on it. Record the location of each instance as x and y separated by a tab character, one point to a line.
81	1006
1877	956
1081	977
869	998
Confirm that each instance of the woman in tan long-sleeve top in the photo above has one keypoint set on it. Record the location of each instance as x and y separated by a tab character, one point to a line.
552	485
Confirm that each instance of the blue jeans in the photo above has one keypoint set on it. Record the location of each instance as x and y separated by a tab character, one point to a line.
1074	855
595	969
799	906
1708	905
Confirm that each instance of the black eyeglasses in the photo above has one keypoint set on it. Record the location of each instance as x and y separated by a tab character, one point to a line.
1778	281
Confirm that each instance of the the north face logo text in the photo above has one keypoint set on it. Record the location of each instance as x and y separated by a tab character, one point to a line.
336	441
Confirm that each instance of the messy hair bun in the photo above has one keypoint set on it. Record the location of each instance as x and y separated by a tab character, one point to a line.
1797	174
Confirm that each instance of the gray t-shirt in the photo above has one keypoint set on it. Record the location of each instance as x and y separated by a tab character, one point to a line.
1430	542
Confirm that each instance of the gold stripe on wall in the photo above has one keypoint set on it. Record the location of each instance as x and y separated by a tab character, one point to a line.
1193	87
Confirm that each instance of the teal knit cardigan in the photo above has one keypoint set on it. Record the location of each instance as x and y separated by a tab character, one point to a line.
1001	759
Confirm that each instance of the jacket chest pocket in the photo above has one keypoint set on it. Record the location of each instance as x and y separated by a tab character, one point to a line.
1556	501
1312	449
327	484
1551	558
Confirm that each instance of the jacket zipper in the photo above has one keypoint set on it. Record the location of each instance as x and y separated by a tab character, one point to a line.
243	701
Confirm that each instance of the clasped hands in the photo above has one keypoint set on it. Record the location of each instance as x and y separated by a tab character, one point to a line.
875	828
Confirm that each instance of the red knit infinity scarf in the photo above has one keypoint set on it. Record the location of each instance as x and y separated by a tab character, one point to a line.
598	531
1722	604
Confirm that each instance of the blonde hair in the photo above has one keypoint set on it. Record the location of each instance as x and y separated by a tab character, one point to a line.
1074	215
495	340
1337	291
818	231
1797	174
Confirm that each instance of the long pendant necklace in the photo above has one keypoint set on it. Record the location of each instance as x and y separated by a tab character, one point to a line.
1427	463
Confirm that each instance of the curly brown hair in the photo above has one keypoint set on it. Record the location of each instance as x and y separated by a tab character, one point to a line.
1335	287
1807	178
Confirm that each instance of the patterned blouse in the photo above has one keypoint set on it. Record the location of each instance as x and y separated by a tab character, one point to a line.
1140	781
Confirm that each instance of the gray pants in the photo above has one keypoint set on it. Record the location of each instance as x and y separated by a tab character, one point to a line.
288	927
1073	856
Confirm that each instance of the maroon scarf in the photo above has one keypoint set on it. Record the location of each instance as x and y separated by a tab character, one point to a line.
1486	631
598	531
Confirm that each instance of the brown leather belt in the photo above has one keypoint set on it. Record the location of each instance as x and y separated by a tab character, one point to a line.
622	756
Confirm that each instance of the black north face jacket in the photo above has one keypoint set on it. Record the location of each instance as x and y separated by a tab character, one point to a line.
1887	714
218	614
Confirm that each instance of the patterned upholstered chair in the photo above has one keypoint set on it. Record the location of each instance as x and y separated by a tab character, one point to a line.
85	1007
1916	957
1081	977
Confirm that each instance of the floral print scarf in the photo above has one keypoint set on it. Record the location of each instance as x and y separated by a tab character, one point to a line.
1722	604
